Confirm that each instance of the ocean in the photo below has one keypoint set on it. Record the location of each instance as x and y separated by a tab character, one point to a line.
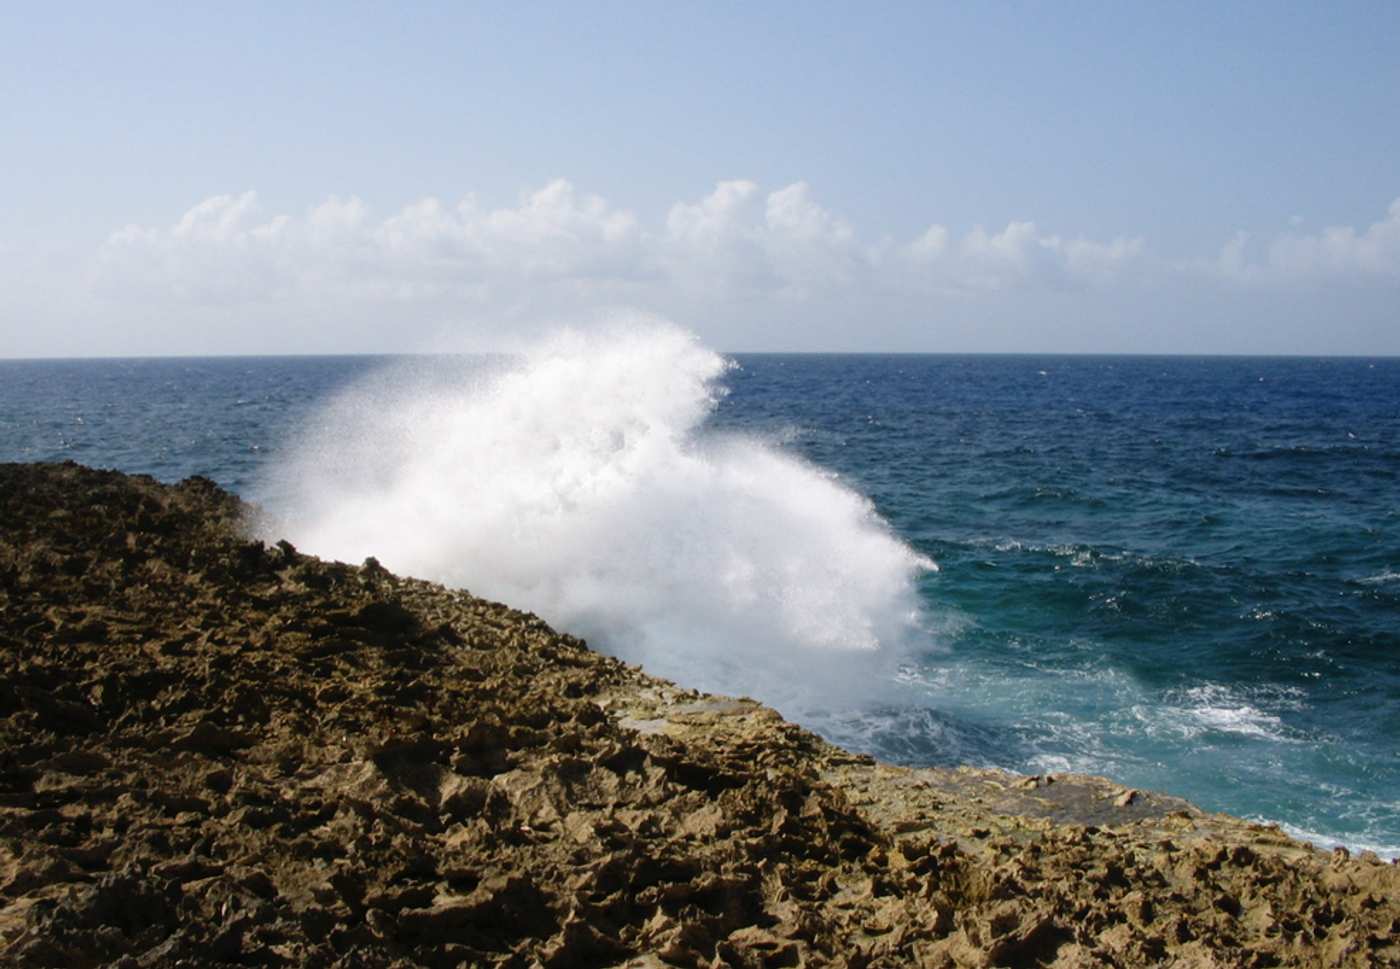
1181	573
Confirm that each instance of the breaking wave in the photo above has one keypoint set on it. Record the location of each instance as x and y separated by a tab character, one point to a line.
578	480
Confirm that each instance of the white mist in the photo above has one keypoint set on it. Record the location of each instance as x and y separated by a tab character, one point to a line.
577	481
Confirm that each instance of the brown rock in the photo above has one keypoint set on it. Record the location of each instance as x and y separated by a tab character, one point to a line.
218	753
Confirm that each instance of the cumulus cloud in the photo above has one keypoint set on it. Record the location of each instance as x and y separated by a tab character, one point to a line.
716	245
1336	254
735	243
1017	258
226	247
341	275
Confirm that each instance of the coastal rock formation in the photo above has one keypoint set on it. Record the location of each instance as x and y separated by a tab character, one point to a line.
217	753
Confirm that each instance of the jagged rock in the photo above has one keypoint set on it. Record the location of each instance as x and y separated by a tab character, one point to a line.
216	753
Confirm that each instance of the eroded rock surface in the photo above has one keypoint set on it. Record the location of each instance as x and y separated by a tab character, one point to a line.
218	753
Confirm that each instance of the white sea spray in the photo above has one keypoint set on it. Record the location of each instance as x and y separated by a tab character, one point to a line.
578	480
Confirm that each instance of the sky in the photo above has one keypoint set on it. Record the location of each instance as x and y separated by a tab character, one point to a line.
353	177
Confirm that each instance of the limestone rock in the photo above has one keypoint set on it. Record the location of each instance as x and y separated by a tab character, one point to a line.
217	753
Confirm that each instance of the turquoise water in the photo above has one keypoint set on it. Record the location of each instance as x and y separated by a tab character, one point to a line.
1181	573
1178	572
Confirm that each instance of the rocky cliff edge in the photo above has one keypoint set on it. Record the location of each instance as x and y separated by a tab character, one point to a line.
217	753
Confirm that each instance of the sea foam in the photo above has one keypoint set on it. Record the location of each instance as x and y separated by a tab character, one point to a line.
578	480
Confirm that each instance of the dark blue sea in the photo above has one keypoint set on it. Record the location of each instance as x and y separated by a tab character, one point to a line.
1182	573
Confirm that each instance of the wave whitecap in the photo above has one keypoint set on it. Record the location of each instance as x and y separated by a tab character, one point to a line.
578	480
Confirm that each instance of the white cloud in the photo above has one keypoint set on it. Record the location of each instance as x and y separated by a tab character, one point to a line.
775	269
1341	250
715	247
731	244
1018	258
1336	254
217	252
217	219
792	215
224	248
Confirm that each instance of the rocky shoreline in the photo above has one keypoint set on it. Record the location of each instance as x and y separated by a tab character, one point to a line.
217	753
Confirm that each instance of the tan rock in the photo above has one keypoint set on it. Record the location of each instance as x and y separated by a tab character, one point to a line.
217	753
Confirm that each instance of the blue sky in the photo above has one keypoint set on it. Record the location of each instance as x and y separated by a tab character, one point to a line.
199	177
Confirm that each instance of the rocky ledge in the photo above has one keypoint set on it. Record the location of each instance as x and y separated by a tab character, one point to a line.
216	753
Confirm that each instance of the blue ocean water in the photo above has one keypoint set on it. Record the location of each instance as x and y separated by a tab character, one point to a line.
1180	573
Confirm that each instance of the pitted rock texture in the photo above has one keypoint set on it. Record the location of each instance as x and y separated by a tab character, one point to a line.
217	753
